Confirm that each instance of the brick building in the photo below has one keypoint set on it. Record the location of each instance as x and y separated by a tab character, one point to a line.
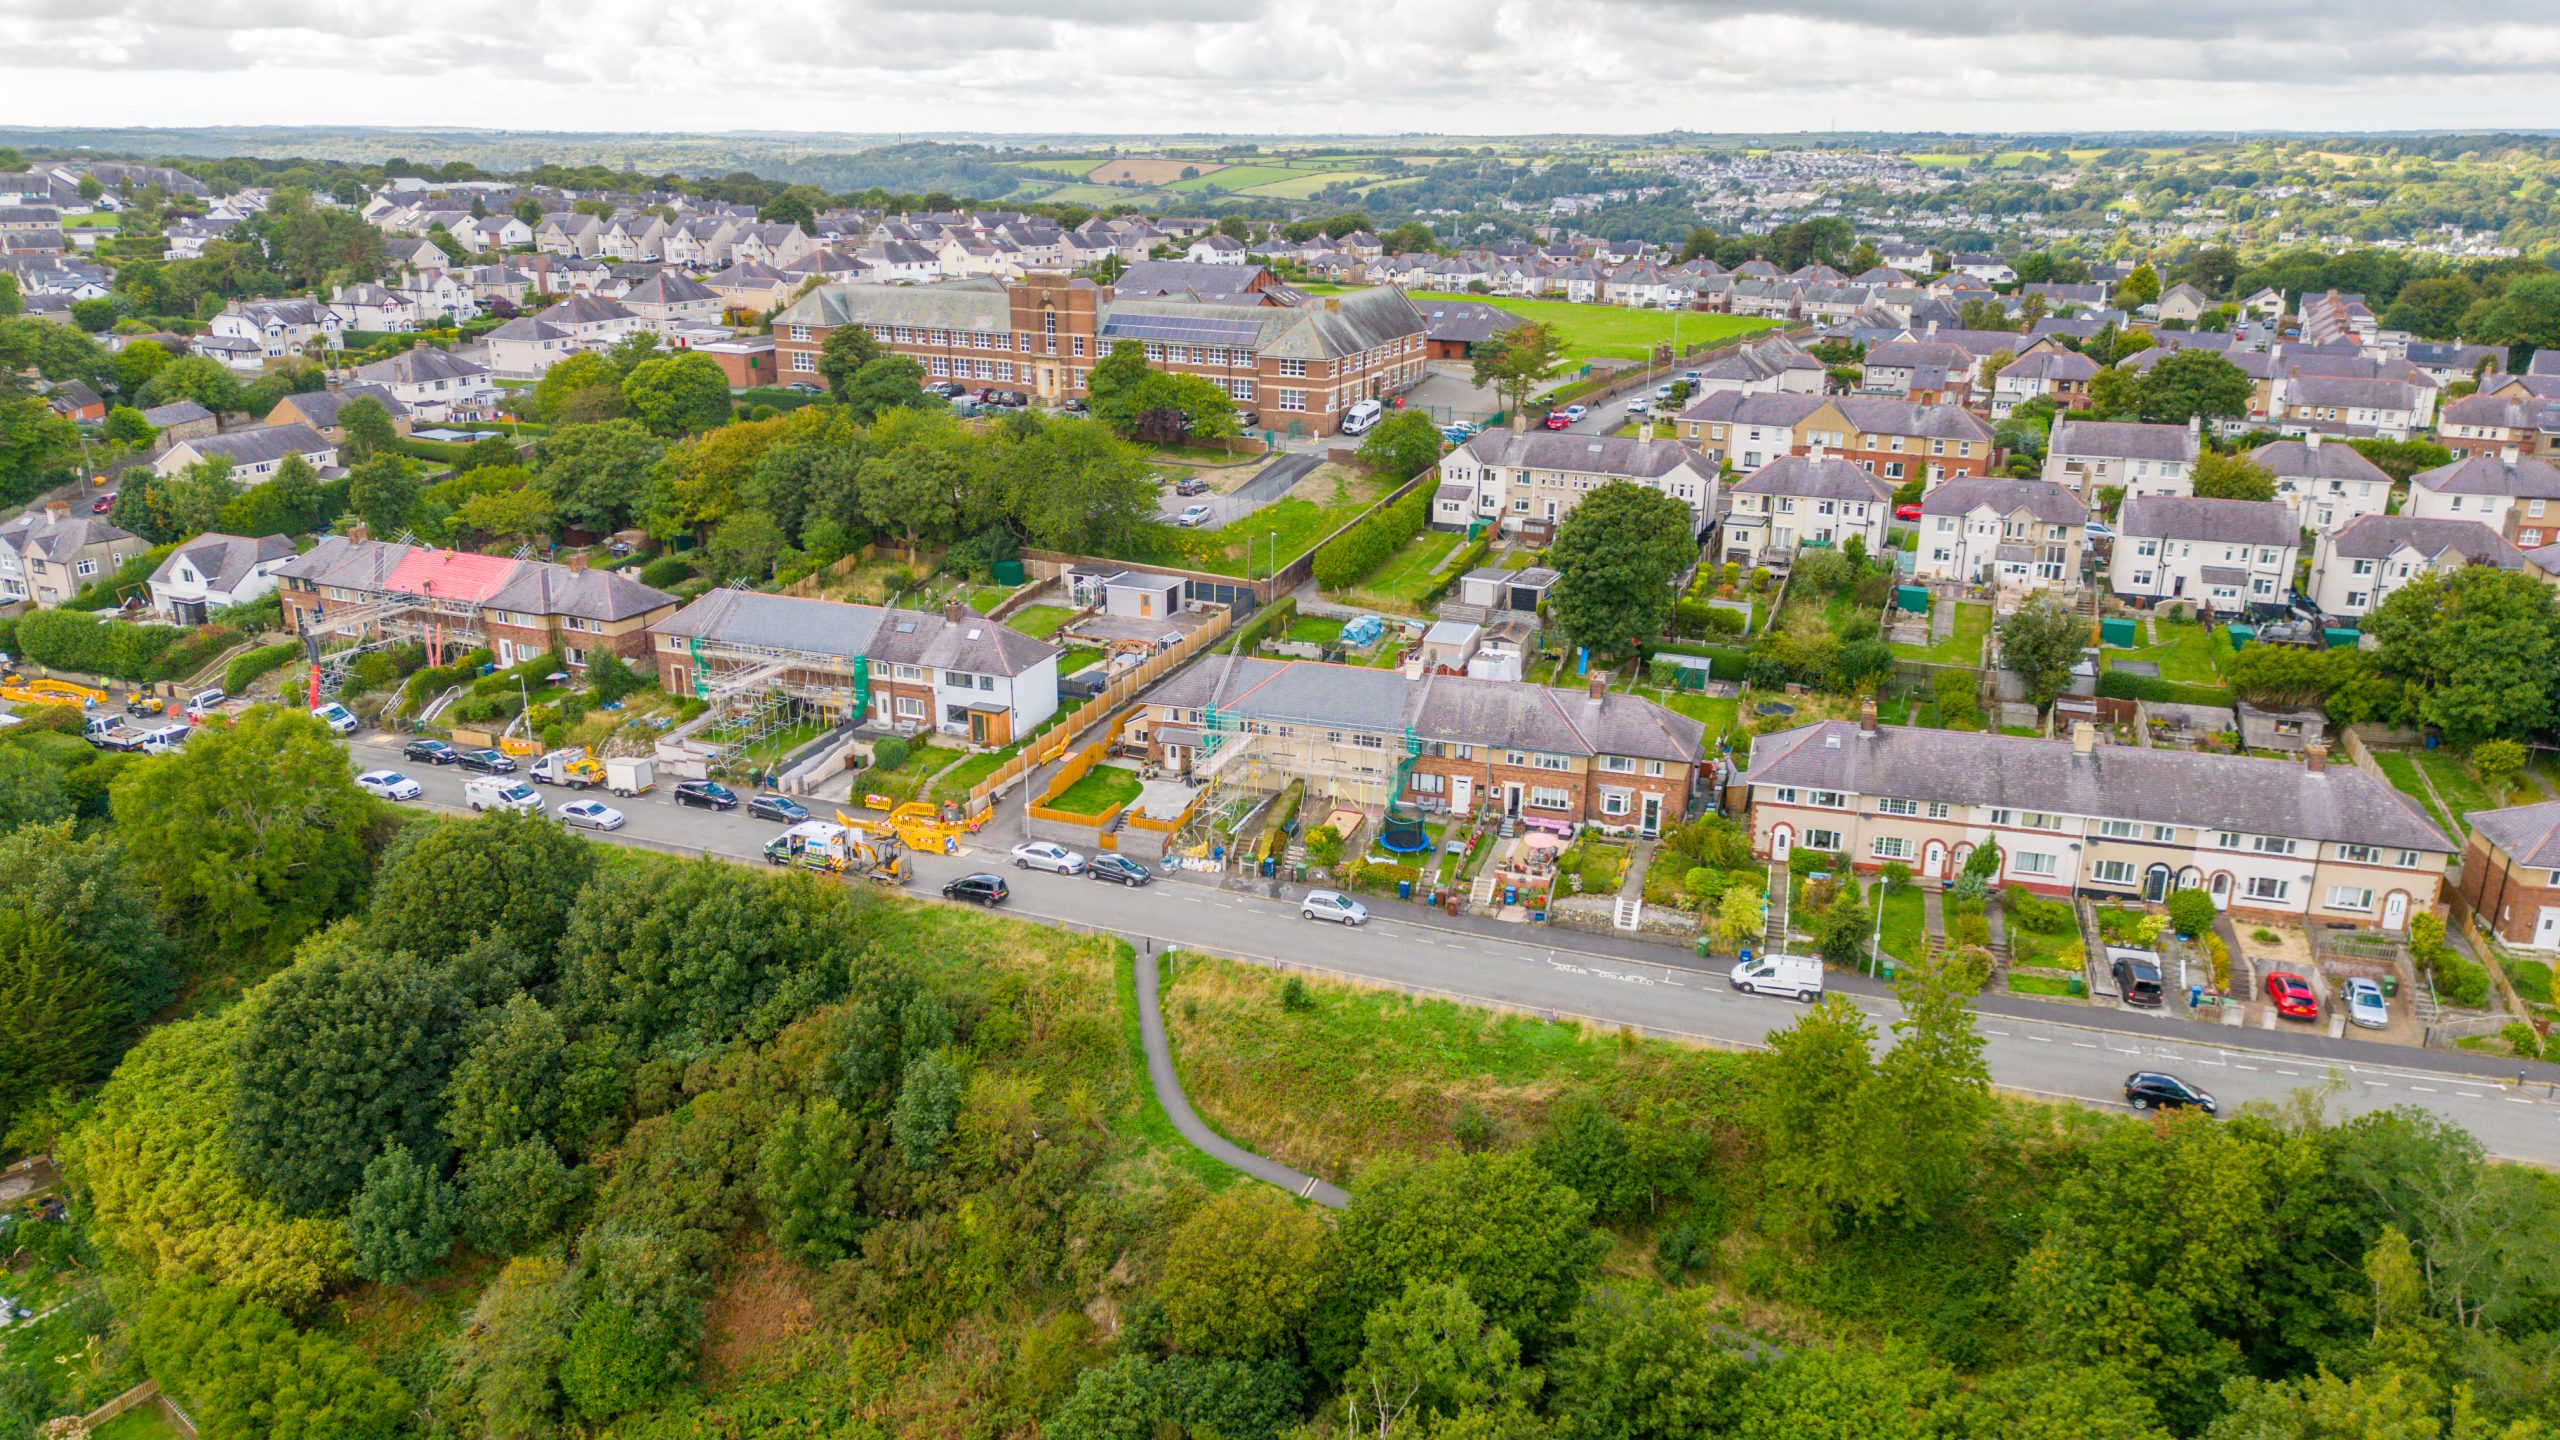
517	609
1891	438
1298	365
2511	873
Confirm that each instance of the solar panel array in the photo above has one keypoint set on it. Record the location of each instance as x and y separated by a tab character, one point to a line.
1183	330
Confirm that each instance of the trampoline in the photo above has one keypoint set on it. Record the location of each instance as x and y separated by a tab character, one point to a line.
1773	707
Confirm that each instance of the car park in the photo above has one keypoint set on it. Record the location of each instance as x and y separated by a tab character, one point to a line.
2156	1089
486	762
1190	485
431	752
1192	517
706	795
591	815
1119	868
1333	905
979	889
1045	855
2292	996
777	807
389	785
1556	420
339	719
2367	1007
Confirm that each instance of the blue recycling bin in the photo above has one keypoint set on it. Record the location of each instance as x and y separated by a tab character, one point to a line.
1510	894
1404	889
1267	862
2195	996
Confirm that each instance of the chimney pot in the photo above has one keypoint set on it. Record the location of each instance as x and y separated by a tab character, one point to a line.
2507	453
58	509
578	563
1867	717
1599	684
358	533
952	609
2312	440
2315	758
2084	737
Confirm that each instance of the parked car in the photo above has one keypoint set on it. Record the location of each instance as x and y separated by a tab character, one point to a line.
1249	420
706	795
1190	485
496	794
1556	420
1907	512
1333	905
1360	419
2293	996
803	387
389	785
1662	392
486	762
1576	412
432	752
1043	855
2097	530
1120	868
2155	1089
591	815
1796	975
980	889
339	719
2366	1007
1640	406
778	807
103	503
1192	517
2137	976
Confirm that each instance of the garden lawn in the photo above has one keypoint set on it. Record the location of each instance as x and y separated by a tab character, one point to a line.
2403	774
2039	985
1313	630
1380	853
1410	574
963	777
1039	621
2187	653
1077	657
1275	534
987	597
1617	332
1102	787
1906	924
1962	647
908	779
2455	785
1716	712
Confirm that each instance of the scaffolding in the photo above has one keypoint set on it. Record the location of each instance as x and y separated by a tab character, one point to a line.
755	692
336	637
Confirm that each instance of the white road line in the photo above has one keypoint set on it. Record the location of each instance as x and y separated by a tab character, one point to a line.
2377	1084
2082	1045
2295	1073
2003	1034
2041	1039
2236	1065
2515	1100
2470	1094
2428	1089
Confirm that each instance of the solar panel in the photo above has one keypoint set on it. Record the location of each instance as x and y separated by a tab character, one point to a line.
1183	329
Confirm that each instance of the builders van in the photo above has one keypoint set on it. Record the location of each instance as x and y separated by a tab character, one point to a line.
1798	976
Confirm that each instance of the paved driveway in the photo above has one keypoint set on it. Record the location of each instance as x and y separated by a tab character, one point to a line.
1268	484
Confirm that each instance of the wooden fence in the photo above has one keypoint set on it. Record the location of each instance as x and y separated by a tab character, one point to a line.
1120	691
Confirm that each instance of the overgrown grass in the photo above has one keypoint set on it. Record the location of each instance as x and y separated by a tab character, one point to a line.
2187	653
1409	575
1078	657
1314	630
1906	924
1102	787
2039	985
2460	790
1963	646
2402	772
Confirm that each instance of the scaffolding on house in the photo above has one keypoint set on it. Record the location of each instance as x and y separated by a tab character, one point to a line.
1249	757
335	637
755	692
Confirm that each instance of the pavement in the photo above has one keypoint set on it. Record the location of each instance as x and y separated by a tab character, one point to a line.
1267	485
2037	1048
1177	1106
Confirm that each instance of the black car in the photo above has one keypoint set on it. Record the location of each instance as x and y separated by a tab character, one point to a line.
2137	980
1190	485
2151	1089
487	762
776	807
980	889
1120	868
708	794
432	752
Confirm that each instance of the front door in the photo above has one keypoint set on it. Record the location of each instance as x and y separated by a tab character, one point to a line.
1462	792
2221	888
2395	914
1933	861
2546	930
1653	814
2155	884
1781	840
1511	801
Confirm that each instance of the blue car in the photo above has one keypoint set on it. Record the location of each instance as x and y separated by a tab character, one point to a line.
778	807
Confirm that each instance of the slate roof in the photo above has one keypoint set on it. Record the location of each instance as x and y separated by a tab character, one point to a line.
2124	439
2117	782
1461	322
225	560
2054	364
38	533
263	445
1585	454
2372	537
2046	501
2228	522
176	412
830	628
2525	478
2527	834
419	365
533	586
322	407
2301	460
1229	284
1805	477
2369	394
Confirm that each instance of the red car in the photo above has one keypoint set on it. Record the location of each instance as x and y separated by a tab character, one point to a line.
103	503
2292	996
1557	421
1906	512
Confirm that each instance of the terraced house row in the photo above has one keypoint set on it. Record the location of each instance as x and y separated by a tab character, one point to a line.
2316	841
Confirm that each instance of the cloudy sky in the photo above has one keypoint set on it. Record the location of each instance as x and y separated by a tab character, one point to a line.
1134	66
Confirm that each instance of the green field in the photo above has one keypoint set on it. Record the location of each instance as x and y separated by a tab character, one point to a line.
1409	574
2188	654
1617	333
1102	787
1234	177
1307	183
1068	169
1963	647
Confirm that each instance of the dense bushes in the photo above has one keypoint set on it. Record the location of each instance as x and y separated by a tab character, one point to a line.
436	679
194	650
246	667
94	644
665	571
2459	980
1347	559
2117	685
242	1369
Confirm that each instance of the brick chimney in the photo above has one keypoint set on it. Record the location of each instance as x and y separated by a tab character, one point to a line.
2507	455
578	562
2315	758
2084	738
1599	684
1867	717
58	509
358	533
953	610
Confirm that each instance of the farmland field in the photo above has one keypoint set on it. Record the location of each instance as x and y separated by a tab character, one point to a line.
1071	169
1234	177
1308	182
1130	169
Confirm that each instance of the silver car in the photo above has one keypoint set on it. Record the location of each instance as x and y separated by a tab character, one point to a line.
1333	905
2366	1007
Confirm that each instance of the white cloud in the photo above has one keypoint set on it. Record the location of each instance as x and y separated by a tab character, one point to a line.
1284	66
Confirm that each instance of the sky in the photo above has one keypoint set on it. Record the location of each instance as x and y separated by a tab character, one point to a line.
1469	67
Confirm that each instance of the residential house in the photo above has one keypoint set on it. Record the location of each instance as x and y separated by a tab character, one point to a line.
668	301
2327	483
2090	456
953	671
2183	303
2493	489
2510	877
2446	363
405	252
2264	304
73	400
2052	373
1771	365
1815	499
1525	483
2311	841
47	555
255	455
496	233
1540	756
371	307
2513	418
280	329
1996	531
2356	408
1896	439
324	410
2334	317
518	609
1211	284
1989	269
1929	371
434	385
215	572
2223	556
2361	565
1215	250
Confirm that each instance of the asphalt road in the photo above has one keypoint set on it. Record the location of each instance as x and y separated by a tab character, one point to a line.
1570	976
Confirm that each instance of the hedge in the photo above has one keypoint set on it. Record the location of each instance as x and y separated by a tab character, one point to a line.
666	570
1278	613
193	651
1469	556
246	667
2116	685
436	679
94	644
1724	663
1347	559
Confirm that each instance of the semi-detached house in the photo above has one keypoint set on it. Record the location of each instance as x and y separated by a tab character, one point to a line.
1525	484
1896	439
1797	501
2327	484
1543	756
2307	841
2089	456
1990	530
2359	567
2517	495
2225	556
517	609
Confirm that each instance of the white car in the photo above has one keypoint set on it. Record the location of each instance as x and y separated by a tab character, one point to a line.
591	815
2365	1006
1041	855
1573	413
1192	516
1640	406
337	717
388	785
1333	905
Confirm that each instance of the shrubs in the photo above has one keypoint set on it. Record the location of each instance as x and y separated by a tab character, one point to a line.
94	644
1347	559
2459	981
193	651
246	667
2030	911
436	679
2117	685
889	753
2191	911
665	571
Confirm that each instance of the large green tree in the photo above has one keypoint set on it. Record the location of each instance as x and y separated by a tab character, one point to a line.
2232	477
2040	642
1615	556
2479	648
597	474
843	353
1076	487
1517	361
1404	445
892	382
683	394
62	1014
384	491
403	1219
2192	384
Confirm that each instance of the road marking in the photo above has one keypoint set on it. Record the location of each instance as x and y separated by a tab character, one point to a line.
2295	1073
2236	1065
2515	1100
2082	1045
2470	1094
2428	1089
2041	1039
2003	1034
2377	1084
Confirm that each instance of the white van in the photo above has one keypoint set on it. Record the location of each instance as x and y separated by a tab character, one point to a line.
497	792
337	717
205	702
1799	976
1360	419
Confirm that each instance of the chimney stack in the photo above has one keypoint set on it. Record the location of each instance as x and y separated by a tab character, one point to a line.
578	562
2315	758
2507	454
1599	684
1867	718
358	533
2312	440
953	610
58	509
2084	737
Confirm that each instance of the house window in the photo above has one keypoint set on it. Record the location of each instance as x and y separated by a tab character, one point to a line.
1614	802
1822	839
2350	897
2273	845
1787	796
1892	847
1542	798
1829	799
1618	763
1891	806
1290	400
2112	872
2361	854
2031	862
87	567
803	363
2267	887
1938	810
2119	829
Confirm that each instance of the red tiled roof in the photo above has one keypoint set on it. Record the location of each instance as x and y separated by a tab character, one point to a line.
450	575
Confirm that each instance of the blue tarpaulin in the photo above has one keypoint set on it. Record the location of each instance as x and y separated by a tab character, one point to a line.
1362	631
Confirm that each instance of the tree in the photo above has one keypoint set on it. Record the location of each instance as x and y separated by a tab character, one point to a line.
87	886
639	1322
504	1091
2115	391
2401	459
1519	1241
254	834
1431	1352
1402	446
368	426
1075	486
2525	318
1615	556
1637	1368
788	208
809	1181
2139	288
501	873
242	1369
403	1220
843	353
743	547
522	512
678	394
911	494
892	382
2497	762
2477	647
514	1197
2232	477
1240	1275
63	1014
2040	642
1739	918
125	426
928	1109
1513	363
2432	309
2193	384
574	374
596	474
384	492
30	789
1936	1073
1826	1124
